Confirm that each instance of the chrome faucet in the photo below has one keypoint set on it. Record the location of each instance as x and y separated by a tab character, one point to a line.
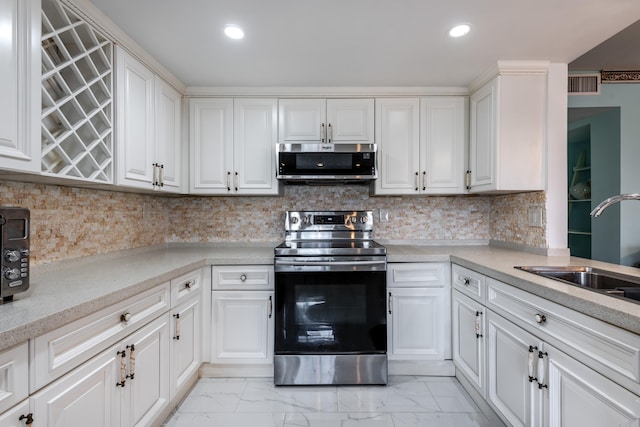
611	200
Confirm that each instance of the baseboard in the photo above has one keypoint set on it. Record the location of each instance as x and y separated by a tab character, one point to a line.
494	419
438	368
211	370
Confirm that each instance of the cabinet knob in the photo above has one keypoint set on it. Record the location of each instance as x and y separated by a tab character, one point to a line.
466	281
243	278
188	285
125	317
540	318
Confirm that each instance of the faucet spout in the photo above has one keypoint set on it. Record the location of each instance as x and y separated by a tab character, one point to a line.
597	211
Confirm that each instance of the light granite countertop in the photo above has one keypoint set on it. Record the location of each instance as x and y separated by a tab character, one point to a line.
69	290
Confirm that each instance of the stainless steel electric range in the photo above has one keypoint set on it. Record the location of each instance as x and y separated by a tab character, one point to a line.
330	304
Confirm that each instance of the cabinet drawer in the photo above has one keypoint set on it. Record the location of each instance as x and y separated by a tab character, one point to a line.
62	349
604	347
468	282
242	277
14	375
186	286
409	275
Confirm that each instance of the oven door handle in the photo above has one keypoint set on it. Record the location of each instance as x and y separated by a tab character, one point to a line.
328	263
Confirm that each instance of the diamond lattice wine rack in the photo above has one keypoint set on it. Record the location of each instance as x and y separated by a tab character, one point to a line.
77	97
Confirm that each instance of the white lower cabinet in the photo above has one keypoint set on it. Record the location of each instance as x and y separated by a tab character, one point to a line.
14	375
469	340
125	385
546	365
512	386
418	312
186	326
242	327
579	396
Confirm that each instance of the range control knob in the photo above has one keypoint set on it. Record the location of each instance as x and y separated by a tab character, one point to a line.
363	219
294	220
306	220
12	273
12	255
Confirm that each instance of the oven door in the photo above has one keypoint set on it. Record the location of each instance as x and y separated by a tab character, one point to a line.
330	312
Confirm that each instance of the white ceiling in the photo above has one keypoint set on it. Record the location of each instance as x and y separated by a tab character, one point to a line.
361	42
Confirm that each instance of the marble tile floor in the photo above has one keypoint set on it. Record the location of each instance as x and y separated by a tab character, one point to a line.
256	402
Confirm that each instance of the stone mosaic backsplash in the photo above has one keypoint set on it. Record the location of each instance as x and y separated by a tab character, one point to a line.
69	222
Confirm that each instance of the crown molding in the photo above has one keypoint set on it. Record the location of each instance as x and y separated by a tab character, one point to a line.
510	68
323	92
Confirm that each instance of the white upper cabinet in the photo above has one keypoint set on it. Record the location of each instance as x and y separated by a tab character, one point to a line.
20	85
149	127
232	146
421	145
442	143
506	144
320	121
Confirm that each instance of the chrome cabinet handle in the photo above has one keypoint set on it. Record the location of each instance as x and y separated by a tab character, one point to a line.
541	370
467	180
270	306
424	180
417	181
161	176
228	181
390	302
123	368
531	365
132	361
330	134
323	132
177	334
235	181
478	324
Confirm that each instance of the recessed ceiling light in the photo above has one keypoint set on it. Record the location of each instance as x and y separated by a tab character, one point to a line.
233	32
459	30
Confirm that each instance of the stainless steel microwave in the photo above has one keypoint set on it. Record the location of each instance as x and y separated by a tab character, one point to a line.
14	250
326	163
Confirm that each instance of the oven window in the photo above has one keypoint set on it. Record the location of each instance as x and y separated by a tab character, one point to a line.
330	312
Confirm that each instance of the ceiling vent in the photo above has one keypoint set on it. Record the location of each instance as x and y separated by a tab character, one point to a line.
584	84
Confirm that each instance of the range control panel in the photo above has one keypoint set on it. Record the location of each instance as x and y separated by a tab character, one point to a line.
329	221
14	251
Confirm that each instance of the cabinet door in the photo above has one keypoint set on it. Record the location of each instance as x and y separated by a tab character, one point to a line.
148	389
350	121
168	120
255	135
581	397
442	141
416	319
86	396
243	327
135	86
16	416
20	85
186	343
469	341
211	145
397	136
483	134
302	121
509	388
14	375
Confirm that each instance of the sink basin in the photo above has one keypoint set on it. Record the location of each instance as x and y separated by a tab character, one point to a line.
604	281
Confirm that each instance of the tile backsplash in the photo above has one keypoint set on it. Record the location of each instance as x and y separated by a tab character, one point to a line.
68	222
